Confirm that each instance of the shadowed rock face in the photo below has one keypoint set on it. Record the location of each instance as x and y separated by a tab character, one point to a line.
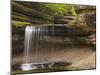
57	33
58	30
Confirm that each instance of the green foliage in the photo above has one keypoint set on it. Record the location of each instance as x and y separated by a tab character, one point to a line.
56	9
59	9
52	9
30	11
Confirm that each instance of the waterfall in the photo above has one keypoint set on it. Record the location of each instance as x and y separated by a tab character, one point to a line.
32	46
30	33
28	40
38	41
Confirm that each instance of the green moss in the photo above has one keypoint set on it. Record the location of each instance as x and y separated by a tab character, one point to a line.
20	23
31	20
30	11
48	8
20	18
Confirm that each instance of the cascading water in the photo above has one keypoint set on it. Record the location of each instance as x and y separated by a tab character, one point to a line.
28	40
33	37
39	40
29	35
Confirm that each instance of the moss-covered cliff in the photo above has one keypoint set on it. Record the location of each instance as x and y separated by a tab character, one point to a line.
80	19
